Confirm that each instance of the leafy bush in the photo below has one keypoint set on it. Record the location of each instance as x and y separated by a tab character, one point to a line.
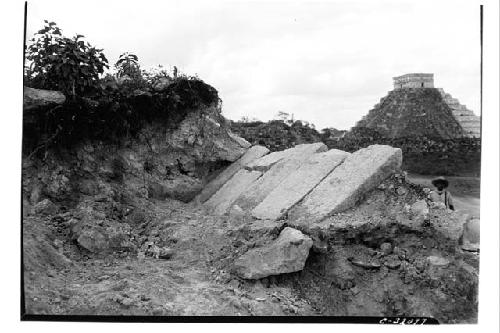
128	65
114	107
70	65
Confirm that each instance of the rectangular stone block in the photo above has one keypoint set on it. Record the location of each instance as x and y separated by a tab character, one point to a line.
265	163
222	200
276	174
343	187
298	184
213	186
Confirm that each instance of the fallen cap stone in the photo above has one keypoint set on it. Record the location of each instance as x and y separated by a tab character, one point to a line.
222	200
213	186
259	190
298	184
286	254
362	171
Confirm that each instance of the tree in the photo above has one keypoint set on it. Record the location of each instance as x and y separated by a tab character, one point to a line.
283	116
56	62
128	65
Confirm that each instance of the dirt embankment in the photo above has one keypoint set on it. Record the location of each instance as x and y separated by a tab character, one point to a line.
375	259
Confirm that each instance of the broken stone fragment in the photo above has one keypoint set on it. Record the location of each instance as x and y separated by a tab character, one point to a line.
373	264
401	191
45	207
471	231
166	253
438	261
470	247
420	208
286	254
392	263
386	248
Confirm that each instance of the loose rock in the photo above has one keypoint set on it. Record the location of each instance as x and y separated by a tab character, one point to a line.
386	248
45	207
288	253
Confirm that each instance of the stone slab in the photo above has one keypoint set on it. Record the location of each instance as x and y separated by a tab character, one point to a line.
213	186
286	254
265	163
298	184
222	200
343	187
275	175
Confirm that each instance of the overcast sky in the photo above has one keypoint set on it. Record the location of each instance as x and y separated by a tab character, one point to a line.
327	62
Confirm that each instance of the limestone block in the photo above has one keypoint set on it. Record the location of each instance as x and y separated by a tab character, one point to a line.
298	184
287	254
222	200
343	187
33	98
266	162
275	175
471	231
213	186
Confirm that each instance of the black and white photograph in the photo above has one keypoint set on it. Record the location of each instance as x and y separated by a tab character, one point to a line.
257	161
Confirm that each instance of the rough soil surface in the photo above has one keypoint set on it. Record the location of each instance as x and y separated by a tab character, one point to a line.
178	260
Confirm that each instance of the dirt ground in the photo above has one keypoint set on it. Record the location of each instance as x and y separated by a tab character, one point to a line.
354	274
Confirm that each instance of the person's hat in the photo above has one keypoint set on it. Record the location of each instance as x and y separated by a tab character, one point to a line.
440	180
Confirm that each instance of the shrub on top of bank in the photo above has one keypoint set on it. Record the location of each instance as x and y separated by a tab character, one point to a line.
104	107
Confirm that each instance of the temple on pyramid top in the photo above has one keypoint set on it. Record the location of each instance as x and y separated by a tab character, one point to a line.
414	80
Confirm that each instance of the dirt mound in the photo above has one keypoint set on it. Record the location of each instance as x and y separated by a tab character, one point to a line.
374	262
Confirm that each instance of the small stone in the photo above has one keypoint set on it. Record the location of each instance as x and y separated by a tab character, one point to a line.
401	190
166	253
157	311
386	248
419	265
470	247
234	284
366	264
438	261
420	208
45	207
393	264
471	231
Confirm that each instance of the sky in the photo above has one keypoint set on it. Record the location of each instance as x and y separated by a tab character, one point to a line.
326	62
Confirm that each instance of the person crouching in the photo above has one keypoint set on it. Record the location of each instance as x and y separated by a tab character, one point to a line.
441	195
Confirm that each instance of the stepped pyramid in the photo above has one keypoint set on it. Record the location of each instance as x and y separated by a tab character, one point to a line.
416	108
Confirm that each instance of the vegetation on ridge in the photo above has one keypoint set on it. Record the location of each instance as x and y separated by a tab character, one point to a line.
103	107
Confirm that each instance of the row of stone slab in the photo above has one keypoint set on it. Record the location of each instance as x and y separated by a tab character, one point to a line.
304	184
